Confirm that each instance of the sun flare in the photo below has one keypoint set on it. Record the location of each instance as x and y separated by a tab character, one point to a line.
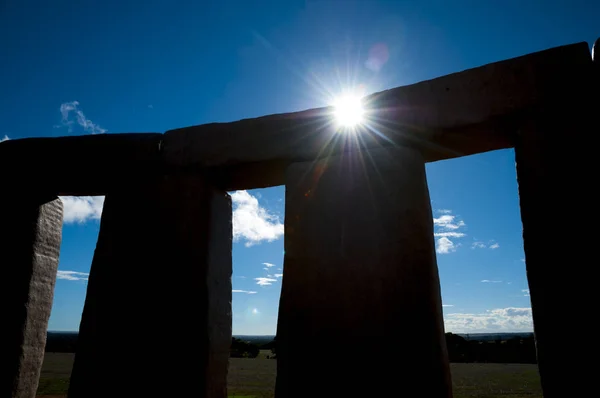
348	110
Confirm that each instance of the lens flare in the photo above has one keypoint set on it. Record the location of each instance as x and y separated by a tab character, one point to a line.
348	110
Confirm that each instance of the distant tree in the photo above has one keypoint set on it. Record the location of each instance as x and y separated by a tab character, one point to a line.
274	348
504	349
243	349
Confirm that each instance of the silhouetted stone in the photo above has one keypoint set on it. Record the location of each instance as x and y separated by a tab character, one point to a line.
157	316
360	268
80	165
30	236
361	280
469	112
557	170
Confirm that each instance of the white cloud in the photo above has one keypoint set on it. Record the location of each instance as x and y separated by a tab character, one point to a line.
243	291
481	245
265	281
447	221
5	138
489	281
450	234
278	275
253	223
72	108
82	208
447	305
72	275
525	292
497	320
268	264
444	246
447	226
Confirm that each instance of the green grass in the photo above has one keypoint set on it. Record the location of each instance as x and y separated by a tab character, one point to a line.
493	380
255	378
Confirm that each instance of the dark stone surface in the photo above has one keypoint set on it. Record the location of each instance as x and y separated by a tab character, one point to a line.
557	170
455	115
30	236
157	315
460	114
361	280
79	165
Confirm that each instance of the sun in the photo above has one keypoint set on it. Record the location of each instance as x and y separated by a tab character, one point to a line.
348	110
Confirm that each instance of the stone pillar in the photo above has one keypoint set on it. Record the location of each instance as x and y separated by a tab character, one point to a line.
557	172
157	315
30	236
360	312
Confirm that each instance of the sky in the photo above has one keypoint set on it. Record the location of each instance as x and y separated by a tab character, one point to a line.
103	67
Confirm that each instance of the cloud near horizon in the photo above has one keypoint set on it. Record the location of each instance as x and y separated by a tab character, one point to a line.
5	138
498	320
253	223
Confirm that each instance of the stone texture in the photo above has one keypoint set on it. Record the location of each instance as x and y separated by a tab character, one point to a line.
157	315
360	278
30	237
557	170
455	115
80	165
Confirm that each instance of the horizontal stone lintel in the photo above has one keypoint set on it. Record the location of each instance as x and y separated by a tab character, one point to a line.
78	165
460	114
454	115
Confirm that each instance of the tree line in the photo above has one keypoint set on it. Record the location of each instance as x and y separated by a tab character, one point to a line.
510	350
520	349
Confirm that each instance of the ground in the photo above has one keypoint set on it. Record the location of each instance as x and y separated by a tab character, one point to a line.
255	378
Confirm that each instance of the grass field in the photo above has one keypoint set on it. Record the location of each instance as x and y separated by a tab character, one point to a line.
255	378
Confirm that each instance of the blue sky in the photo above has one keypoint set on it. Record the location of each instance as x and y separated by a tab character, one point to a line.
94	67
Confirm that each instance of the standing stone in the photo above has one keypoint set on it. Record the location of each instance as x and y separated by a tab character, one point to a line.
30	236
157	315
360	312
557	172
